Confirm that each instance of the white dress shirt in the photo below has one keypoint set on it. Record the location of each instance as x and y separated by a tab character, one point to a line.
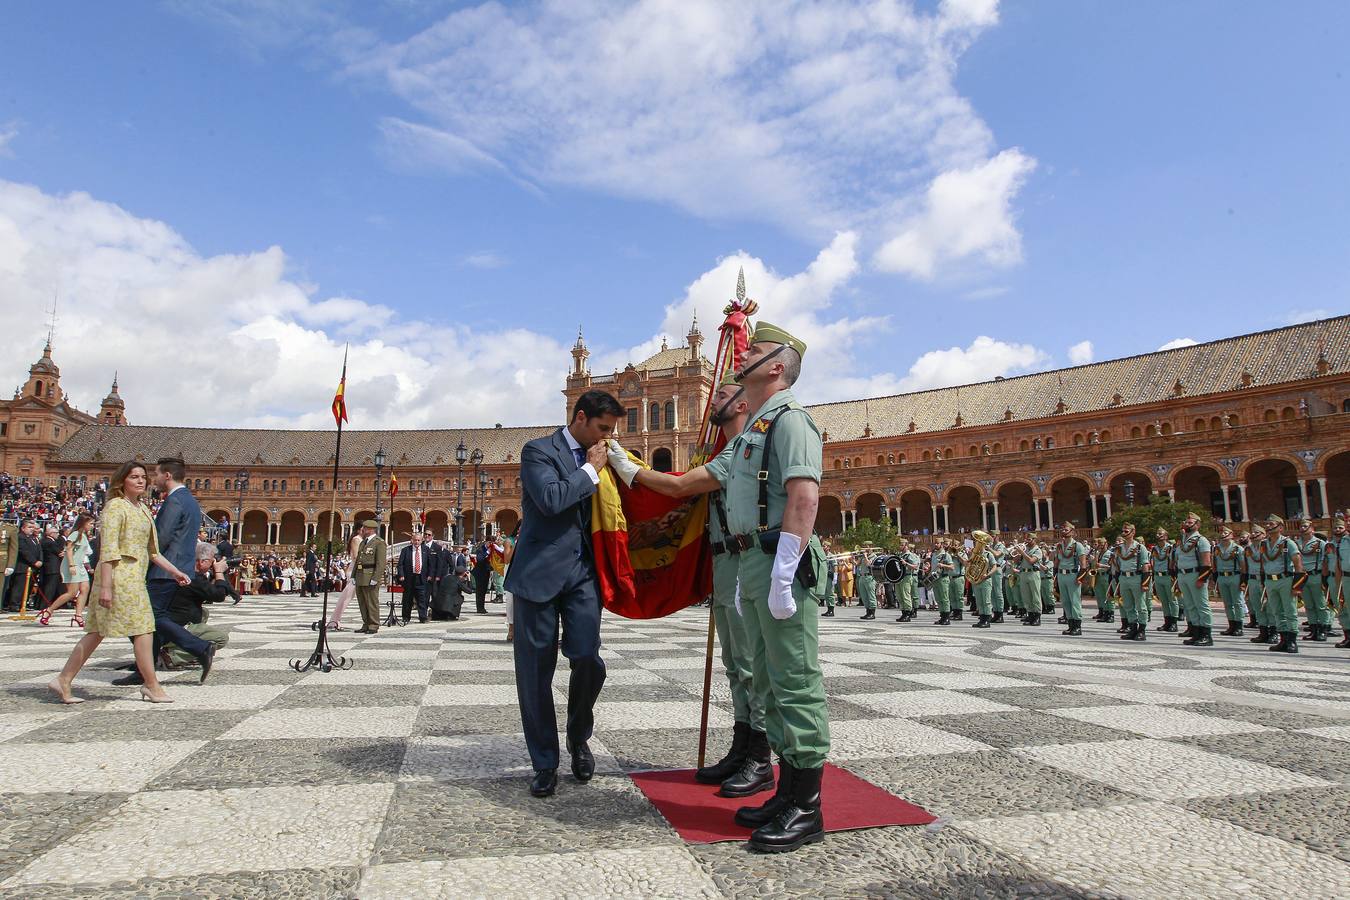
575	445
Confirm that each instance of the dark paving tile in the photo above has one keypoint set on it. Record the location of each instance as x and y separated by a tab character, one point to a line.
662	748
321	884
1319	820
984	785
443	721
32	822
1256	715
1306	754
348	695
472	676
499	818
650	693
276	763
869	684
120	725
1042	697
903	667
1025	728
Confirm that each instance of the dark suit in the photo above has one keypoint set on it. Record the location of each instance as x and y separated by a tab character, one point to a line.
553	575
482	572
311	585
415	583
449	597
52	549
177	524
29	555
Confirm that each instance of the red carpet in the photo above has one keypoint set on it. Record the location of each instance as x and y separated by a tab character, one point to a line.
701	817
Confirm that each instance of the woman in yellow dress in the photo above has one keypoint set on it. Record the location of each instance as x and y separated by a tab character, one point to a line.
122	606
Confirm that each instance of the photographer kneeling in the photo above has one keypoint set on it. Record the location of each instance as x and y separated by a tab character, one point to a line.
188	607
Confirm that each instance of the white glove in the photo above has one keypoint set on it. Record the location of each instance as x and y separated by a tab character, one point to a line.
738	599
781	604
9	572
624	467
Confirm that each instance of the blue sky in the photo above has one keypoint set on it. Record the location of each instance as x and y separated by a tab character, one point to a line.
931	193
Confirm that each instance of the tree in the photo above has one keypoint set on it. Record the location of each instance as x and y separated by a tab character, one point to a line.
1158	514
867	534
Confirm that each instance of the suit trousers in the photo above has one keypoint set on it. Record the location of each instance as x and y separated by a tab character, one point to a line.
480	587
536	657
369	598
167	631
415	590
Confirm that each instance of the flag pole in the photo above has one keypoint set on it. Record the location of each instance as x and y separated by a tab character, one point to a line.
322	658
392	619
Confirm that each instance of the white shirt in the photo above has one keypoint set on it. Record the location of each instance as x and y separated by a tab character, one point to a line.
574	445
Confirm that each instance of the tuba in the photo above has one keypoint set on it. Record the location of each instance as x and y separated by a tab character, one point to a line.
977	567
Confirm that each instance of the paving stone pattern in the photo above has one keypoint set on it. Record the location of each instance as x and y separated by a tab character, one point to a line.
1059	767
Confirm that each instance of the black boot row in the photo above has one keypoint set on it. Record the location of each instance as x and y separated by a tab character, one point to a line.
792	817
727	766
1200	637
1288	643
755	773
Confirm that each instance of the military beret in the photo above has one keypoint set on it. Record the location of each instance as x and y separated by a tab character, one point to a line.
771	334
729	380
1274	521
370	523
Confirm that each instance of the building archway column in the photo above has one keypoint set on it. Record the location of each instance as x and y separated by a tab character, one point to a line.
1050	513
994	503
1242	497
899	526
1093	498
1108	505
1227	504
935	509
1322	491
1303	496
843	520
1171	495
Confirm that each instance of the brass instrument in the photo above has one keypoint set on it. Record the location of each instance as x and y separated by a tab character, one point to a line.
977	566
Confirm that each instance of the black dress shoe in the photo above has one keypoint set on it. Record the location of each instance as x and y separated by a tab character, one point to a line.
545	783
583	764
205	660
125	680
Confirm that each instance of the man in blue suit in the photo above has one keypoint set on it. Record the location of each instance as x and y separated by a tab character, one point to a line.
553	576
177	523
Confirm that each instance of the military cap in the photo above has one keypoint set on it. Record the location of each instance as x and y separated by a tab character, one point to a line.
771	334
1274	521
729	380
370	523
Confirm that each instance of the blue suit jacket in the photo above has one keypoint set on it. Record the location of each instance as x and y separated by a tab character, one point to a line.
555	527
178	521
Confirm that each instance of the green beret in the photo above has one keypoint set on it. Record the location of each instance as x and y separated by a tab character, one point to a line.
729	380
1274	521
371	523
771	334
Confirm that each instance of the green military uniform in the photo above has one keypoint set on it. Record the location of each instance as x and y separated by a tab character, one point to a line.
1228	577
1101	585
941	563
1029	582
368	570
830	576
1047	571
867	585
737	658
908	592
1163	585
9	556
996	582
1186	555
1315	554
1279	559
956	587
784	651
1340	550
1257	597
1128	563
1069	559
984	591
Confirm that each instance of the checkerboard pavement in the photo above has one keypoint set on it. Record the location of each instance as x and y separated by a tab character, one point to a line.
1059	767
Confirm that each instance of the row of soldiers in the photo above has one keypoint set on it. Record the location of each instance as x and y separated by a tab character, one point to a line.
1261	576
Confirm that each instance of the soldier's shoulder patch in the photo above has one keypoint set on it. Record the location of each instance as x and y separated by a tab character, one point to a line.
761	424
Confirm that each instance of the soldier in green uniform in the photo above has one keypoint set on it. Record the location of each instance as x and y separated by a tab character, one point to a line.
1282	571
830	577
983	589
942	565
1163	566
9	555
1029	580
1257	596
909	582
956	586
1340	561
771	519
867	585
1315	559
1230	573
1130	566
368	567
996	582
1193	559
1047	573
1070	562
747	767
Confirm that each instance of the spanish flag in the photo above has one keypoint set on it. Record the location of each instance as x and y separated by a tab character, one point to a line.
393	484
340	398
652	557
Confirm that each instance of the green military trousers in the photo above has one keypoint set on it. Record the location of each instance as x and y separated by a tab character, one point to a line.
995	592
1012	592
1029	584
940	592
1280	603
1230	591
1195	600
1344	616
829	592
1070	596
1162	589
1048	593
908	587
1315	601
1134	601
984	592
867	591
735	645
786	666
1101	592
1258	600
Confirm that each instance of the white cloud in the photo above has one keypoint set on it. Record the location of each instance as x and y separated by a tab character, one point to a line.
981	361
1299	316
1080	354
1176	343
485	259
967	213
8	132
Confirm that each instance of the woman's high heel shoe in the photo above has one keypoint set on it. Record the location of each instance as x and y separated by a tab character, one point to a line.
66	698
45	617
77	621
151	698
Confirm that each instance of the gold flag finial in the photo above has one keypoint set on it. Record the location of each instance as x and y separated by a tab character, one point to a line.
740	285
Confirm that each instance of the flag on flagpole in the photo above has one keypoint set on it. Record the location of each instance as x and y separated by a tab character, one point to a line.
393	484
340	398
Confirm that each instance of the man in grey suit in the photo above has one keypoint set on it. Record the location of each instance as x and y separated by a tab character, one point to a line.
553	576
177	523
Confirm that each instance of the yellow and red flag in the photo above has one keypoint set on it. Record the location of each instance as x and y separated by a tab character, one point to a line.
393	484
340	398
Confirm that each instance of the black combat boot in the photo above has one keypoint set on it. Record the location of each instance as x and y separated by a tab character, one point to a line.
1110	616
1262	635
1190	631
1319	633
957	616
1075	628
1274	637
1125	626
727	766
1100	616
1063	620
1127	631
1201	638
756	771
998	618
799	822
983	622
1288	643
1032	619
944	619
755	816
1169	624
828	613
870	614
1233	630
1251	620
1140	632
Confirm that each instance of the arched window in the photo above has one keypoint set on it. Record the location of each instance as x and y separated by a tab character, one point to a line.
654	418
39	388
881	460
517	484
228	483
1287	413
1271	415
1049	443
356	485
1167	428
901	457
974	451
998	448
1215	423
1024	446
1135	432
670	414
1150	431
1078	440
283	485
1104	436
320	484
1345	405
857	462
499	484
838	464
449	485
927	456
1199	425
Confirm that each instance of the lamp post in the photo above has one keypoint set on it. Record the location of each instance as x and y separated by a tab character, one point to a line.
379	468
1129	492
483	482
241	478
477	459
461	457
487	511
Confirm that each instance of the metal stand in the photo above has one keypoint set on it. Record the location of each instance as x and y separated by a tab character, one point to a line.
393	618
322	658
22	615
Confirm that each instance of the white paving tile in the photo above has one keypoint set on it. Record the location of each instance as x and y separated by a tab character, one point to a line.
1155	721
14	724
455	664
470	695
671	662
325	722
617	715
863	738
469	756
98	766
206	696
964	681
1131	694
1335	732
216	831
1196	856
358	675
1163	770
910	704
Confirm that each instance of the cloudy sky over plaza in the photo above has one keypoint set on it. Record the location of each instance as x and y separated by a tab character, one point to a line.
929	192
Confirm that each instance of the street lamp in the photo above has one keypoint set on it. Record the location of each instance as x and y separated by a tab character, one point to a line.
461	457
379	468
483	482
477	459
487	512
242	480
1129	492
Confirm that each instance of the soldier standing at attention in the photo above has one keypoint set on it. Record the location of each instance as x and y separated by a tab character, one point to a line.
1282	568
771	474
956	587
1340	561
984	588
1315	558
996	583
1230	574
831	574
1163	566
747	767
867	585
1130	565
1070	564
909	581
1194	563
942	565
1256	589
1029	581
1047	573
1100	561
368	574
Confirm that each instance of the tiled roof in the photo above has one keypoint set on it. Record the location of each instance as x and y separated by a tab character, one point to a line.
668	359
1269	357
247	447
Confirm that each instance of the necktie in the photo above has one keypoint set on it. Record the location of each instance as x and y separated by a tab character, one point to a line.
417	562
579	455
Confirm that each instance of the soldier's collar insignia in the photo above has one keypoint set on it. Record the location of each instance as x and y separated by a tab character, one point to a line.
761	425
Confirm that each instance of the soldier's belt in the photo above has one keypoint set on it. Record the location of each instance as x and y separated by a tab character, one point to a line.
1187	571
720	547
1273	577
371	566
1067	571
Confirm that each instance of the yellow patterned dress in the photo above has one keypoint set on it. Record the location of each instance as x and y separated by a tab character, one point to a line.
127	535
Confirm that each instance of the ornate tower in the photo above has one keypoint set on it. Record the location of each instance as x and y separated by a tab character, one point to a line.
695	339
112	411
580	356
44	379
